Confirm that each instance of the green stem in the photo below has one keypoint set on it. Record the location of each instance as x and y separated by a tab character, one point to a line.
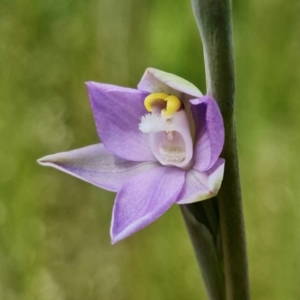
215	24
205	249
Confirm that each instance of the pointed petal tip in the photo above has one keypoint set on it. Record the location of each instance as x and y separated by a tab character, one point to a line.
201	186
44	161
115	239
53	158
149	69
40	161
119	235
90	83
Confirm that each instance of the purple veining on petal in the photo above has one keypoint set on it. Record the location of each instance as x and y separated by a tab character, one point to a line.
174	145
209	139
143	199
200	186
154	81
96	165
117	112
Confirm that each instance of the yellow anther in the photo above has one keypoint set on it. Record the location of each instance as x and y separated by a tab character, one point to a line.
173	105
152	98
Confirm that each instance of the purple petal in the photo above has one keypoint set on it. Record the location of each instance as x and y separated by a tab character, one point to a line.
143	199
201	186
96	165
209	139
117	113
155	81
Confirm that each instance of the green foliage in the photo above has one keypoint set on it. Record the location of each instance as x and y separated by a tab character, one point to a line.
54	229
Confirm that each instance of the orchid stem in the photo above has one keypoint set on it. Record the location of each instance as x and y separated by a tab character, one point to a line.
214	21
206	253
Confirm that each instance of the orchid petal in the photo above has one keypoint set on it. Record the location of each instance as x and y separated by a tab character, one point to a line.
154	81
143	199
117	112
201	186
209	138
96	165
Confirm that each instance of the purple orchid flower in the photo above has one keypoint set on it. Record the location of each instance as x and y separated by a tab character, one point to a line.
148	156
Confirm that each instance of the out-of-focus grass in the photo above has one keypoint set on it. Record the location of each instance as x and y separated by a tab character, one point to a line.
54	228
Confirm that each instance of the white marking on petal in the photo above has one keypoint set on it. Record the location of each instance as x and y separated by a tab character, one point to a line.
153	123
172	154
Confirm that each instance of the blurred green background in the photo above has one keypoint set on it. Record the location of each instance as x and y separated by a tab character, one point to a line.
54	229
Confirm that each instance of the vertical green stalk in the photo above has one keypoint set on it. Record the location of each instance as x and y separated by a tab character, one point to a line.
205	249
215	25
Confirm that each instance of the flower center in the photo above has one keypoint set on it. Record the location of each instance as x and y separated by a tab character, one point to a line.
168	129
